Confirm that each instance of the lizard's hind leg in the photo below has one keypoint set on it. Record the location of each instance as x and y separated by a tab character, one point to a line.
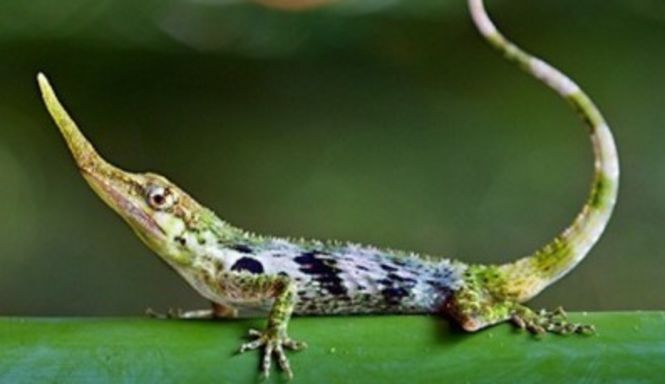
486	300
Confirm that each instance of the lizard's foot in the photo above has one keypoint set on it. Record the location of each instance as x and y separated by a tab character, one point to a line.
217	311
178	314
273	341
548	321
172	313
151	313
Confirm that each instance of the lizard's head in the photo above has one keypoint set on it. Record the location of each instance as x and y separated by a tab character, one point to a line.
156	209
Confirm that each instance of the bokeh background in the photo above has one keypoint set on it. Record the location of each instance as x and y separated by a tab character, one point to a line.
379	121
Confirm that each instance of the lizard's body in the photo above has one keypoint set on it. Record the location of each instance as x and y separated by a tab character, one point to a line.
237	270
330	277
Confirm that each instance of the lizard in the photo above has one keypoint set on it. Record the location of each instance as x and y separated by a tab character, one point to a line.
238	270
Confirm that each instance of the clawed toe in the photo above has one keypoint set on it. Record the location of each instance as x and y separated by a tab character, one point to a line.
255	333
294	345
273	343
172	313
555	321
153	314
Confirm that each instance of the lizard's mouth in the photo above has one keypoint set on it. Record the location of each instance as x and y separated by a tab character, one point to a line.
114	197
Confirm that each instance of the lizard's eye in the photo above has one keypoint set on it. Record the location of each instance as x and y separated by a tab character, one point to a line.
160	198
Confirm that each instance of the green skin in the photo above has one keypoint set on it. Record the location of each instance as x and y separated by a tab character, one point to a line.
167	219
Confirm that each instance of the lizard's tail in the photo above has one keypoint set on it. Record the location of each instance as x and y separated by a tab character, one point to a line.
526	277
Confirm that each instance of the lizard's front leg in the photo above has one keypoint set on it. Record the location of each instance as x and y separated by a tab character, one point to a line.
274	338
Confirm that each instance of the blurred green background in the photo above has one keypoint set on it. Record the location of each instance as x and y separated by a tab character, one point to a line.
379	121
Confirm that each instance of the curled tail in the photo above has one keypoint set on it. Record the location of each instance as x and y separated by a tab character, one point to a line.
526	277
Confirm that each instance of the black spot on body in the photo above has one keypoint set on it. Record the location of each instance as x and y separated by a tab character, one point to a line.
323	269
248	264
440	285
388	268
242	248
181	240
401	279
394	288
400	262
385	282
394	296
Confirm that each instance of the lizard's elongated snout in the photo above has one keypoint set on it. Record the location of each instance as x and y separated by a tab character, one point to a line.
121	190
85	155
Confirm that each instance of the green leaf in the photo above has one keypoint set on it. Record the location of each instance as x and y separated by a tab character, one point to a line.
629	347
